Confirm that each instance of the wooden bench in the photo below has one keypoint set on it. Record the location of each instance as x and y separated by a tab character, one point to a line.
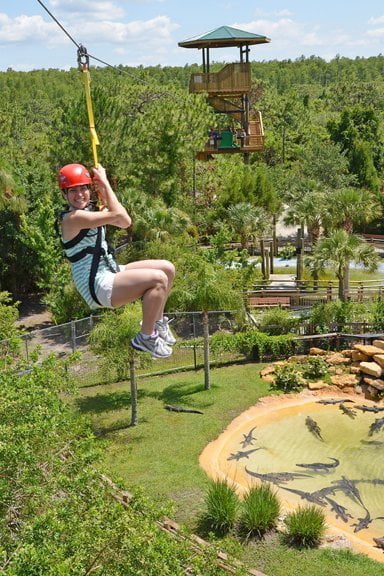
269	301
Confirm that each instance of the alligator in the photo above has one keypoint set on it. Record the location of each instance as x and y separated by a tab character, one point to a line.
319	466
314	497
366	408
349	488
376	426
313	427
242	454
179	409
379	542
348	411
372	442
340	511
248	438
363	522
277	477
325	402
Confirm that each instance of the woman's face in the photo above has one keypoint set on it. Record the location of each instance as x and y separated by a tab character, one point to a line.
78	196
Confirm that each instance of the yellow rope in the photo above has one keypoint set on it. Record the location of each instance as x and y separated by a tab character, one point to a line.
94	138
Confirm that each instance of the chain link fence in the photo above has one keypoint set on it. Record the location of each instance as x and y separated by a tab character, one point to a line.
65	339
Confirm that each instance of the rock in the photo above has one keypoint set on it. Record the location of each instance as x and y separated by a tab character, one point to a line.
269	378
375	383
371	368
345	380
318	385
267	370
347	353
337	358
317	351
359	356
379	359
368	349
378	344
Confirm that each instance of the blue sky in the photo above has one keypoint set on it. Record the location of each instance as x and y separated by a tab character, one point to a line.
147	32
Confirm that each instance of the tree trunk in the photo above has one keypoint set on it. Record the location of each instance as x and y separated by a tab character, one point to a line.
207	380
132	379
344	283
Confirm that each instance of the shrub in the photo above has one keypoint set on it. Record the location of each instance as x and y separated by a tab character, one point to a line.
314	367
222	505
288	378
378	314
260	510
305	526
278	321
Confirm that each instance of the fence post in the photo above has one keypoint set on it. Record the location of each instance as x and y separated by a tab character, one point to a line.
73	335
194	357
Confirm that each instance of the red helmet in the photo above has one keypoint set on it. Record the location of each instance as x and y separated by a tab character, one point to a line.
73	175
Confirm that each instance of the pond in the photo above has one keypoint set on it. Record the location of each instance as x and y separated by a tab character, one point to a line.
311	451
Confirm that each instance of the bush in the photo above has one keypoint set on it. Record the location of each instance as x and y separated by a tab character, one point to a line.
222	505
278	321
260	510
305	526
288	378
314	367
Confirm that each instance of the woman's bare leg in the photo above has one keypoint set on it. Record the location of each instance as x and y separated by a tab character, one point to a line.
150	284
165	266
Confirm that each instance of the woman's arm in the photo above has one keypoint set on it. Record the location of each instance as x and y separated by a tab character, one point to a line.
114	213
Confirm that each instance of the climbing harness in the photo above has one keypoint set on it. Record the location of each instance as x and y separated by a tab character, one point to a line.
97	250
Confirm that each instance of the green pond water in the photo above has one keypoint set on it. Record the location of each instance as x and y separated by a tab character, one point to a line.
357	478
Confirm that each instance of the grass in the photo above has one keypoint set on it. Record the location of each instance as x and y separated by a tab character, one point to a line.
161	455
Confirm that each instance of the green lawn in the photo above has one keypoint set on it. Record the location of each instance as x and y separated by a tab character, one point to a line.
161	454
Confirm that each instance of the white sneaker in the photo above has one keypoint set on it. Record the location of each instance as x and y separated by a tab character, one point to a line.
162	326
155	346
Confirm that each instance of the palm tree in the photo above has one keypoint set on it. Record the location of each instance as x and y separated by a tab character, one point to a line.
248	222
203	286
337	251
110	339
348	207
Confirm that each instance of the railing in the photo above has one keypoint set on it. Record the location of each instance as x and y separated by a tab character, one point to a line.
233	78
307	293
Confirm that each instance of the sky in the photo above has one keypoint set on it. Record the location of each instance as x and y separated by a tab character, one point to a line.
147	32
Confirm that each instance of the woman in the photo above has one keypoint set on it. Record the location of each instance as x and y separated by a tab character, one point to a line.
98	278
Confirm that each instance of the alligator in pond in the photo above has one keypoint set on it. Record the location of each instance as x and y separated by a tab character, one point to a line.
379	542
242	454
179	409
348	411
366	408
313	427
320	466
343	401
376	426
349	488
340	511
248	438
313	497
366	521
277	477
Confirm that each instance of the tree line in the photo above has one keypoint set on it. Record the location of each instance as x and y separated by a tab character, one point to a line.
323	149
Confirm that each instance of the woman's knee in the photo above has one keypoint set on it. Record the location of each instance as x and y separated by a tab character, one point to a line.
169	269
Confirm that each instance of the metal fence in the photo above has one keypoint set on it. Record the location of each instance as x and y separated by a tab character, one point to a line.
65	339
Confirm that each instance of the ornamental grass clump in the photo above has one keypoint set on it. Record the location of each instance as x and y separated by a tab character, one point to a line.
305	526
222	505
260	511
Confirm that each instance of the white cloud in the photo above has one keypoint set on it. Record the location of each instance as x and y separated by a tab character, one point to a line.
155	31
23	28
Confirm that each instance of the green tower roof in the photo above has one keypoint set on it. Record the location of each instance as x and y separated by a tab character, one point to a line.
225	36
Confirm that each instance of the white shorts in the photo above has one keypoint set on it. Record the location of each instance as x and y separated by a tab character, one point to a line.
104	286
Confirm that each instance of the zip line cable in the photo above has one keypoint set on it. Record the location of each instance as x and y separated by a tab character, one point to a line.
83	57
